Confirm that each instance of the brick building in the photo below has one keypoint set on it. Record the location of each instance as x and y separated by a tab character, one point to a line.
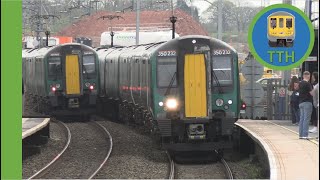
93	27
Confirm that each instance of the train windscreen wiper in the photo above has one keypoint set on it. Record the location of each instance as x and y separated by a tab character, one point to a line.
56	69
170	84
85	71
217	81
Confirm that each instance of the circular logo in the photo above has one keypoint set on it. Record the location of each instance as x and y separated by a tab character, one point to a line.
281	37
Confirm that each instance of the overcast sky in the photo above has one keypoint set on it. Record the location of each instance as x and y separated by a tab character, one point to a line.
202	5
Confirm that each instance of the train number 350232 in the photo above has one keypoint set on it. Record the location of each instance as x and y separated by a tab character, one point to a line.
167	53
221	52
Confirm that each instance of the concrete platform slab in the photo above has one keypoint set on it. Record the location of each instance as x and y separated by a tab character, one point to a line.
289	157
33	125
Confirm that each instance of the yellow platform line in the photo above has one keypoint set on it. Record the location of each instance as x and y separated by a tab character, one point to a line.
313	141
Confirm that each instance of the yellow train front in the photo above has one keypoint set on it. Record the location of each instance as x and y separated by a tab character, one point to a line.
281	29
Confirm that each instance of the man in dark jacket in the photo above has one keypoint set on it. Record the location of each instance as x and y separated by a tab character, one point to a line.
305	105
294	102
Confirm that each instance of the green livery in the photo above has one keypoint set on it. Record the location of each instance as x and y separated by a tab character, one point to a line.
185	91
63	76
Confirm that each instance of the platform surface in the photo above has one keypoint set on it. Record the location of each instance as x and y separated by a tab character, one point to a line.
290	158
33	125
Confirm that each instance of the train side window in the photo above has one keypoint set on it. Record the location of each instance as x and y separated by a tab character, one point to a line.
281	22
54	66
273	22
289	22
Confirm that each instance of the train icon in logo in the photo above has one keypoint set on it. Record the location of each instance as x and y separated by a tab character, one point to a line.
281	29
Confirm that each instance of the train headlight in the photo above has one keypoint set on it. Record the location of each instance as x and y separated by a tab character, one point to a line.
219	102
87	84
57	86
172	104
53	89
226	107
230	101
161	103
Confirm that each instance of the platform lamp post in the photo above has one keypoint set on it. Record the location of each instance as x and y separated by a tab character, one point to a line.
173	20
47	35
110	18
111	34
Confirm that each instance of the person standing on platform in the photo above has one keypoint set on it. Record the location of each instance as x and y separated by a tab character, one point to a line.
305	105
314	119
294	99
315	94
294	103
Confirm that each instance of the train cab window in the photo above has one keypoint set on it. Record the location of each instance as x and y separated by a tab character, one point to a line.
166	71
273	22
54	66
88	64
289	23
222	70
281	22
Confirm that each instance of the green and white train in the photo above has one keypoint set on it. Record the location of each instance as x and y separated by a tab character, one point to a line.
186	90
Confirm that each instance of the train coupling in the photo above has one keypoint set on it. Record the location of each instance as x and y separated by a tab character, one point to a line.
73	103
196	131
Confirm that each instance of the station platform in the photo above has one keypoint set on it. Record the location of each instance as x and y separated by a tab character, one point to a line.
290	158
33	125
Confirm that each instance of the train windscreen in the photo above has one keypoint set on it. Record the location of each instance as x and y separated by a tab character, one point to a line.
273	22
289	23
54	66
89	64
222	69
166	69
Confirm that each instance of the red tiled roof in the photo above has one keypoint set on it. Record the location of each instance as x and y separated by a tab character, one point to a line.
93	27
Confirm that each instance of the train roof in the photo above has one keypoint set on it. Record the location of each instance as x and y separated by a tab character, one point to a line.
280	13
41	52
145	49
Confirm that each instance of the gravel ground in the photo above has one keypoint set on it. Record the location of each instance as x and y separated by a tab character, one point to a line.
200	171
54	146
134	155
198	165
29	107
87	150
244	167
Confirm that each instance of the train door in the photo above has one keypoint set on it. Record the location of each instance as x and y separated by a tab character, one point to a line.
72	74
195	85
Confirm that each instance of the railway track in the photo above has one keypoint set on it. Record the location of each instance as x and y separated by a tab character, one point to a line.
109	151
174	175
44	170
50	171
228	170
